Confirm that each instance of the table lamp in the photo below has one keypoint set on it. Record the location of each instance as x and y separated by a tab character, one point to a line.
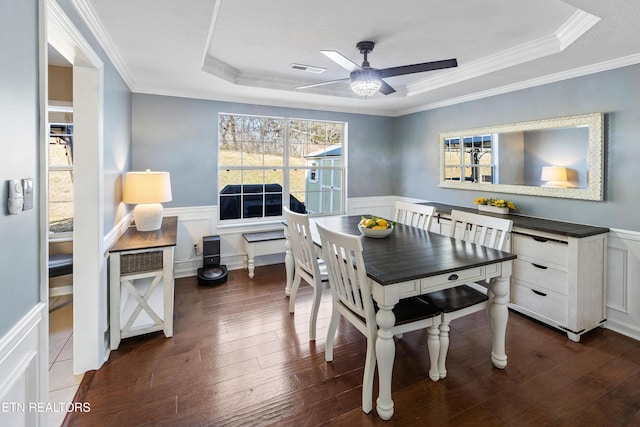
147	190
555	176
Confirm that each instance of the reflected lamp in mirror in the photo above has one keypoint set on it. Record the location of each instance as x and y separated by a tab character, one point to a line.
554	176
147	190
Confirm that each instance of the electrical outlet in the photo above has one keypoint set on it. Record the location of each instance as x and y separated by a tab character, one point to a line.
195	248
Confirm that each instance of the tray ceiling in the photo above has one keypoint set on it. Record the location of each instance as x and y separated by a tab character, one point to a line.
242	50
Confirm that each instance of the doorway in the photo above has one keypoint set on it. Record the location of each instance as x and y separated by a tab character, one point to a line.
89	272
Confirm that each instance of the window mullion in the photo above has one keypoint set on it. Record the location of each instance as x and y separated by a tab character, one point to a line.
286	184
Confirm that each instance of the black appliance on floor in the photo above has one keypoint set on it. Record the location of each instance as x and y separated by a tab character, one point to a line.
211	273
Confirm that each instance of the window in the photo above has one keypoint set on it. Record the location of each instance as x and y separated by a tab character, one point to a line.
265	162
469	158
60	170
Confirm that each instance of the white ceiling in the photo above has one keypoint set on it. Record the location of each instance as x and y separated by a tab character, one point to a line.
241	50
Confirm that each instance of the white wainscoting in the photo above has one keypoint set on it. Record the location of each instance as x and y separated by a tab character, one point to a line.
623	282
623	253
196	222
23	371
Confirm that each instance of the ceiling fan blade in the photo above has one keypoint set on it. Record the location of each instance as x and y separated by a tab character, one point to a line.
322	83
418	68
386	89
341	60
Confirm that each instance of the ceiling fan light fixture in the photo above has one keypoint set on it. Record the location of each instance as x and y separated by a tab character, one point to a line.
366	82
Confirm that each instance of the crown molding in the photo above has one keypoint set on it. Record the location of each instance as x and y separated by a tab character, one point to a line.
90	17
578	24
67	39
551	78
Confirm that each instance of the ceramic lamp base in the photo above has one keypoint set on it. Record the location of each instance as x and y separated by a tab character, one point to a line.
148	217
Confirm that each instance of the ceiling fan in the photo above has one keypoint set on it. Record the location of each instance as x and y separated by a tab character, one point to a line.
367	81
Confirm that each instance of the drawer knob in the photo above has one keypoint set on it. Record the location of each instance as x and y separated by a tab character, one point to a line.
542	294
542	267
453	277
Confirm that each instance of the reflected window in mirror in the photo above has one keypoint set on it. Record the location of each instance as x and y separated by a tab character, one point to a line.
469	158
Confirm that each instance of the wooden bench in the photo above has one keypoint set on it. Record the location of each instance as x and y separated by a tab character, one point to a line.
262	243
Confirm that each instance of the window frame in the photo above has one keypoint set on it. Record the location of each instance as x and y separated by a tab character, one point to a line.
286	169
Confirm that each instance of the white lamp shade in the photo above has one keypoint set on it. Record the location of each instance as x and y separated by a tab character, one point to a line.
147	187
554	174
147	190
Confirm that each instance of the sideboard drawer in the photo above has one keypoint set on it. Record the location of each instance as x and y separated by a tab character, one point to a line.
546	276
544	302
547	250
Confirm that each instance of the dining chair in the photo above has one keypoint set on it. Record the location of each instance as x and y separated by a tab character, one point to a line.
415	215
307	265
463	300
351	292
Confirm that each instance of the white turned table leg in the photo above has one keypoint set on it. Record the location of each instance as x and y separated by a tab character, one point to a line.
386	353
433	344
499	315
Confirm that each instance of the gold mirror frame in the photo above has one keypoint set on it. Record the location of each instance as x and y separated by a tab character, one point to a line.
594	190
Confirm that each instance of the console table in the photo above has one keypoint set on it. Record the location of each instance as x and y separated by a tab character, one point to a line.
560	274
141	282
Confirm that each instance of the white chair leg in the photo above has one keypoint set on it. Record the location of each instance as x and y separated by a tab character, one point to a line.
317	296
433	344
294	292
444	349
331	334
367	378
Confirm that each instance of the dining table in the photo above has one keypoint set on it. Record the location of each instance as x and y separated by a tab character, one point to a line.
409	262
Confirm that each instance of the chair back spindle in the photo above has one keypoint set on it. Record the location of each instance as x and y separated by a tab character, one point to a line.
415	215
482	230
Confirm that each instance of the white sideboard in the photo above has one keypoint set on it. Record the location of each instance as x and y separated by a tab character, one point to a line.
560	274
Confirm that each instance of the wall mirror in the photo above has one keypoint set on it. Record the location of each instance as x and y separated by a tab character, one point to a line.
560	157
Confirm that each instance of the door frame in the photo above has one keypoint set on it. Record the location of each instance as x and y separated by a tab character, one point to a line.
90	323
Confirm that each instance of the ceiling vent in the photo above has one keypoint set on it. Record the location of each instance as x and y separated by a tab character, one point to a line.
307	68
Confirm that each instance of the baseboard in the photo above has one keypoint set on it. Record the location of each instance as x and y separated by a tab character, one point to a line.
625	329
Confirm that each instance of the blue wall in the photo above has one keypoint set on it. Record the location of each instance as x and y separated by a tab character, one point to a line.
20	142
612	92
180	135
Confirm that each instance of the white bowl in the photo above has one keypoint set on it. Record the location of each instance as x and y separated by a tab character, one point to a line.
375	233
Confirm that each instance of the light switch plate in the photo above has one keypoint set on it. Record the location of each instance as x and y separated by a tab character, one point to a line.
27	188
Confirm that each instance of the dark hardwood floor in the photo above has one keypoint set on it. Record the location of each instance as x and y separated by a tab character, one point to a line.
239	358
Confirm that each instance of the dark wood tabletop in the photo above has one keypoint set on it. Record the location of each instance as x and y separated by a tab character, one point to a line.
409	253
133	239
